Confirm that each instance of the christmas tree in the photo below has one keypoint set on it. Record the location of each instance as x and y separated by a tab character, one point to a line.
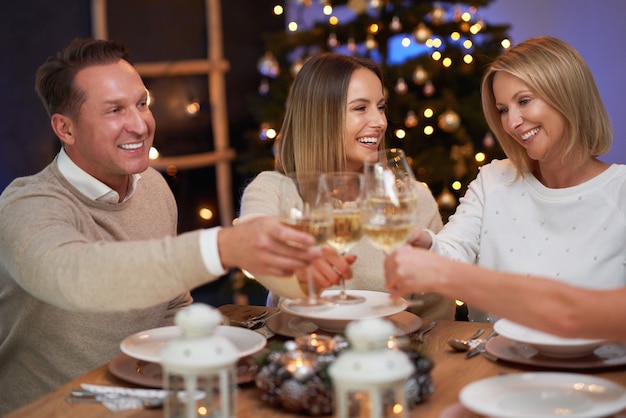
432	54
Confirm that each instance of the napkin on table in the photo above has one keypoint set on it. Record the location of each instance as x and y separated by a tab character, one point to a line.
129	398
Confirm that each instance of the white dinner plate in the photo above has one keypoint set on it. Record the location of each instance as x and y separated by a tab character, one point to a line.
288	325
544	395
147	345
547	344
147	374
337	317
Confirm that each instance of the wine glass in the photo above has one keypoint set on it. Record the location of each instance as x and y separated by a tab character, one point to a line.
346	195
305	205
390	210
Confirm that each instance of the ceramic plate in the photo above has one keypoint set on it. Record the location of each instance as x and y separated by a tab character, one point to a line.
544	395
606	356
148	374
337	317
547	344
293	326
147	345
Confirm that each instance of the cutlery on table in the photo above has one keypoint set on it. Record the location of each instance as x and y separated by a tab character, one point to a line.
257	322
81	396
464	345
422	333
480	348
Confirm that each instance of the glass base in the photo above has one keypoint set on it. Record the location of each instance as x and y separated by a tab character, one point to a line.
309	304
344	298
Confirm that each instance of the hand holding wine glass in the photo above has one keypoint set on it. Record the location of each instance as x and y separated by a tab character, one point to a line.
390	210
346	195
305	205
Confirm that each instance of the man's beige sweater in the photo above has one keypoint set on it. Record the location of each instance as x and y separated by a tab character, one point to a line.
78	276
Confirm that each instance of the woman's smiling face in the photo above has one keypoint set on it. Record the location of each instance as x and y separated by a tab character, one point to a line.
366	121
537	126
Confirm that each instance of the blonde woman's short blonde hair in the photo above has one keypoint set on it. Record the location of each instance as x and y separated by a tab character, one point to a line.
558	74
311	138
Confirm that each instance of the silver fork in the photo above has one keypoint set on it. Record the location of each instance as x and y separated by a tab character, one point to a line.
422	333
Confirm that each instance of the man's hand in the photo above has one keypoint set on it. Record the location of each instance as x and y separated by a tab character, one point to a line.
265	246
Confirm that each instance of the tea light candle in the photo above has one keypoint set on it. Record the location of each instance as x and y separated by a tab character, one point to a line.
319	344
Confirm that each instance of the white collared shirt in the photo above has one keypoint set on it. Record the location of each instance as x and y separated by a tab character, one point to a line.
89	185
98	191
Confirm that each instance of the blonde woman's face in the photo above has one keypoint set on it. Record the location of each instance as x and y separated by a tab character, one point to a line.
366	121
537	126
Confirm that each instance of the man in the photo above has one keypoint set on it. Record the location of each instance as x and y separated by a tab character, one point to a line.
88	252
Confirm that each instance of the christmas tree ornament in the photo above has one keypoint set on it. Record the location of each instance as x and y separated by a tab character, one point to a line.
370	42
410	121
268	65
429	88
401	86
395	25
422	33
420	75
199	369
446	199
489	141
438	15
264	86
332	41
352	46
449	121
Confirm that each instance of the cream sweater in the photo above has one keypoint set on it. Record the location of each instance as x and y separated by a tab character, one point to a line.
261	197
78	276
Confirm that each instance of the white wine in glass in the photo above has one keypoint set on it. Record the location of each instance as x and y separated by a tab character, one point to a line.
305	205
346	196
390	210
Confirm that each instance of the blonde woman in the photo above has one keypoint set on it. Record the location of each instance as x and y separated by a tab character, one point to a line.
552	209
335	117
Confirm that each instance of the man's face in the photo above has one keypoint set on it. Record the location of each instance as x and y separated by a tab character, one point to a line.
114	130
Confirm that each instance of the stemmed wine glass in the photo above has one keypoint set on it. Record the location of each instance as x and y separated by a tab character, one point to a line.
346	194
390	210
305	205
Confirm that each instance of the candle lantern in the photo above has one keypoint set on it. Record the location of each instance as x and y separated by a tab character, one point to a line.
369	378
199	369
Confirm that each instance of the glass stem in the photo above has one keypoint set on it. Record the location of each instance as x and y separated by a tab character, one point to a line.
311	283
342	284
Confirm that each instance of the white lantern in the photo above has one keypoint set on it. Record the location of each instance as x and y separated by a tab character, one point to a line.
199	369
369	378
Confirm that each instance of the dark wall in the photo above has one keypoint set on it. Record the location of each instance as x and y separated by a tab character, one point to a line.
31	31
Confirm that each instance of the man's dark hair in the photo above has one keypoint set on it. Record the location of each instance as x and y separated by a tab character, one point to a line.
55	78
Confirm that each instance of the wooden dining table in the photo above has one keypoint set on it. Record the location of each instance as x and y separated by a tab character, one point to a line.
452	371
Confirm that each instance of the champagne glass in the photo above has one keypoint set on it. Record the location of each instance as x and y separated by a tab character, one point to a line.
390	210
346	193
305	205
